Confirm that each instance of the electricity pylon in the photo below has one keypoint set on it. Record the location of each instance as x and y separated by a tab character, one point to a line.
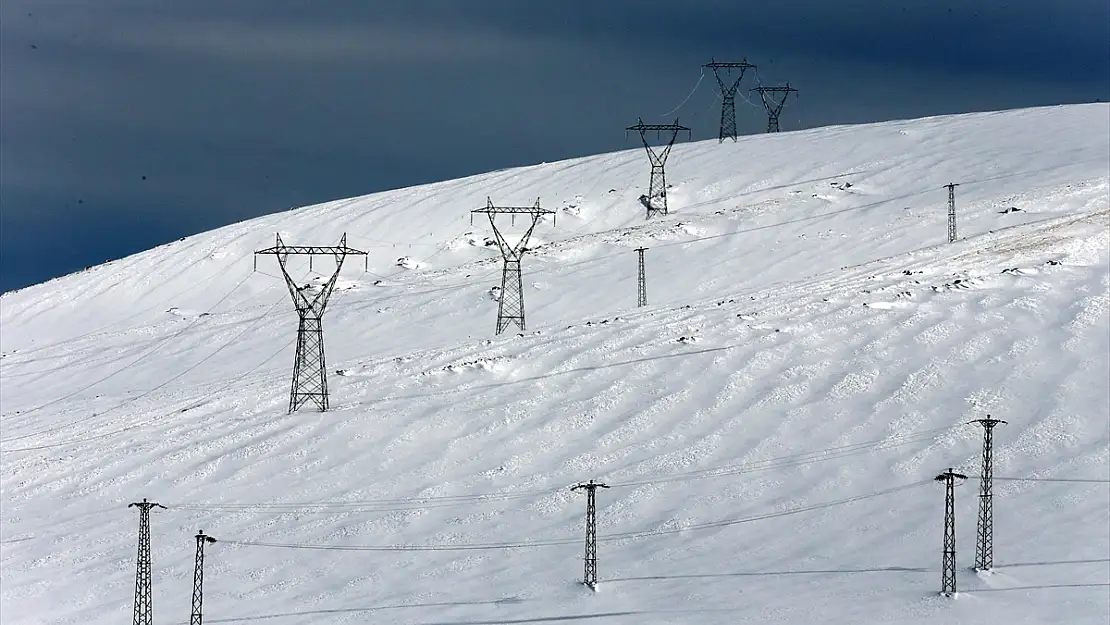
510	306
589	576
144	609
773	106
728	94
656	198
984	531
198	579
948	562
951	186
310	376
641	280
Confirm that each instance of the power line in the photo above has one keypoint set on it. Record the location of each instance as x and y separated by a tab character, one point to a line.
434	501
118	371
1050	479
570	540
160	416
687	98
832	453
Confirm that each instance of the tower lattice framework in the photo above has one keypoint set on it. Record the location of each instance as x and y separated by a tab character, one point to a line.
144	608
984	529
641	279
510	306
728	94
195	615
310	377
952	210
656	199
948	559
589	574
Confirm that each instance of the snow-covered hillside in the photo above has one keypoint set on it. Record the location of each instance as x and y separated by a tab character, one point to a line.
769	424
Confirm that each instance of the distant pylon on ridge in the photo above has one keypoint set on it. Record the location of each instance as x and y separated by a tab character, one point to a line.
773	106
728	94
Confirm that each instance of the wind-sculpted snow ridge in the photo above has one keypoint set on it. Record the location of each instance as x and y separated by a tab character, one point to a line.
769	424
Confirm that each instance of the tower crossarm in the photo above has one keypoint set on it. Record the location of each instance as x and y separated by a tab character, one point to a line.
642	127
716	66
510	251
773	105
319	301
291	250
658	157
281	249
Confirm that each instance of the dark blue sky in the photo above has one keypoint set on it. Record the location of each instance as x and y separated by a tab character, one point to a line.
237	108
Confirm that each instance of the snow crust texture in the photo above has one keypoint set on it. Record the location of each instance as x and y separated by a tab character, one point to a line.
769	424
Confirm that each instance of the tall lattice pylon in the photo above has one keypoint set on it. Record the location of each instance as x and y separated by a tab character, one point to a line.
728	94
510	306
948	560
773	105
589	575
310	375
198	579
656	199
984	530
144	608
641	279
951	186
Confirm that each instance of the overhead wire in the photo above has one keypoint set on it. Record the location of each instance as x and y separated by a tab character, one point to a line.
436	501
130	364
252	323
687	98
1075	480
634	535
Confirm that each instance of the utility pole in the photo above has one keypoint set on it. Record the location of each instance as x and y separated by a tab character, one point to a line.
984	534
641	281
144	608
589	576
198	578
948	564
656	199
951	186
773	106
310	375
728	94
510	306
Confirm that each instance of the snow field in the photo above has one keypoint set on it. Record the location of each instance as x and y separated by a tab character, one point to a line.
808	347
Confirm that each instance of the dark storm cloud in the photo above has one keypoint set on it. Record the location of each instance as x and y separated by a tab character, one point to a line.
234	109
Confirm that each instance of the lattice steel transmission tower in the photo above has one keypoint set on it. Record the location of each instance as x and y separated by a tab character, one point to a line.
951	186
144	609
510	306
984	532
948	563
656	199
198	579
728	94
310	375
641	280
589	576
773	105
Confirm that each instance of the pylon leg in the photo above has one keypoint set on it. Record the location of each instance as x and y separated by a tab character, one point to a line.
310	382
510	308
657	192
728	117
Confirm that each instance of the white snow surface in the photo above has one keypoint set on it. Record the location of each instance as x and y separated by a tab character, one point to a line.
770	424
